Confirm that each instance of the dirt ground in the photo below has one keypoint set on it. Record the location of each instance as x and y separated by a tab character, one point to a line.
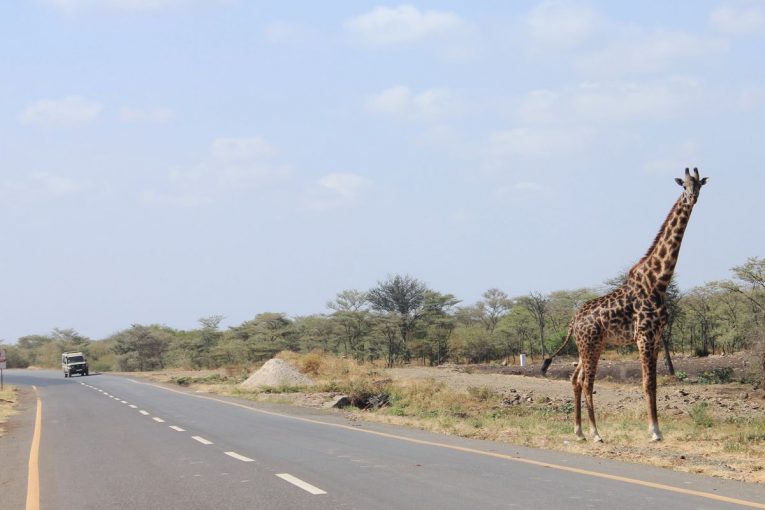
618	385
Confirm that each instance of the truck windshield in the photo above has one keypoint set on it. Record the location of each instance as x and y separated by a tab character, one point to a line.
74	359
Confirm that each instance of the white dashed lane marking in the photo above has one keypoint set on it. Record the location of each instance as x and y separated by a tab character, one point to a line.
239	457
300	483
297	482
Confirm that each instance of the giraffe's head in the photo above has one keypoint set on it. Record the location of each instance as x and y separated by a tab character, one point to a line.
692	185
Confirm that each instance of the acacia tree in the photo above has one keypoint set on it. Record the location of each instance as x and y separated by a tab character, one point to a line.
140	347
700	304
492	307
537	303
353	320
517	329
398	298
750	284
439	324
265	335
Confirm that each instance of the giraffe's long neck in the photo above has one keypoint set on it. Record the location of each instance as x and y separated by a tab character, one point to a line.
655	269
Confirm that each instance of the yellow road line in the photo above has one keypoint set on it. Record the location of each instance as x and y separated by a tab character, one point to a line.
596	474
33	477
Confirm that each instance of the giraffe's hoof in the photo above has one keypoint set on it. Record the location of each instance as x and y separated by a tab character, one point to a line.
597	439
581	439
656	438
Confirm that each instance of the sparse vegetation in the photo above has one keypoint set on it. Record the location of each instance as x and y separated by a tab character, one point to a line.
8	400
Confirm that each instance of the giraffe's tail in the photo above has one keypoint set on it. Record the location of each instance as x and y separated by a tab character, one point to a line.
546	363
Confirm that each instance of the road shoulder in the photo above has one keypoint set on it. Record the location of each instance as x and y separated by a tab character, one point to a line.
14	450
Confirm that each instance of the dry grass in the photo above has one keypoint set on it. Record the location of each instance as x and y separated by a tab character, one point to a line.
8	401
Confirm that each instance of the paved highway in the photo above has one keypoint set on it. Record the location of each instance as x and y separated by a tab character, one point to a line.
110	442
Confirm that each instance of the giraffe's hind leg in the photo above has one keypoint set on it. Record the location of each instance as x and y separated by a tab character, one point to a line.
576	382
588	383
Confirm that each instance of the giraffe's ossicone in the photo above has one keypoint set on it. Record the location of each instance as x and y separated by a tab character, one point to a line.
634	312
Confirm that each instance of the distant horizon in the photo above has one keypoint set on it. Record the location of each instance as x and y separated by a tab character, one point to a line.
164	161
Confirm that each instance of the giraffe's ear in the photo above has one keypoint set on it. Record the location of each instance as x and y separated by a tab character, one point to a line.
704	180
680	181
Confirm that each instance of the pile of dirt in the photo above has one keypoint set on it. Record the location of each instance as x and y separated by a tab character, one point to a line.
276	373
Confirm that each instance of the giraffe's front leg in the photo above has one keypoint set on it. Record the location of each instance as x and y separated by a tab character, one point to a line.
648	354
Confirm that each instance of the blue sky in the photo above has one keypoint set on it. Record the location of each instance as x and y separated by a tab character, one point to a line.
165	160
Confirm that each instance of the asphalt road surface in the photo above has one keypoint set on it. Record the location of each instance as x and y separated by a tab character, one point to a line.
111	442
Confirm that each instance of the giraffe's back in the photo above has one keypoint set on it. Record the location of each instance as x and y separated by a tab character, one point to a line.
608	319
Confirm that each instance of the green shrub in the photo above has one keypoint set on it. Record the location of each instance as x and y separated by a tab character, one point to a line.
700	415
701	352
182	380
716	376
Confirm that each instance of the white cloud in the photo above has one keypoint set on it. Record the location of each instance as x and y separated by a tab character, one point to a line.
524	189
125	5
57	186
537	142
400	102
280	32
742	20
751	97
650	53
151	116
685	154
338	190
615	101
539	106
631	101
235	165
240	149
69	111
384	26
561	23
174	199
41	186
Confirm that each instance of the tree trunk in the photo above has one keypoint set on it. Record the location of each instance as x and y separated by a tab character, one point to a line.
667	357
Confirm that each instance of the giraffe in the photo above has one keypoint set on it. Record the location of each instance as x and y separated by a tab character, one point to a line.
634	312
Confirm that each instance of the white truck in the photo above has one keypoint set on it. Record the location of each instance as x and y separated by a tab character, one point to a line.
74	363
